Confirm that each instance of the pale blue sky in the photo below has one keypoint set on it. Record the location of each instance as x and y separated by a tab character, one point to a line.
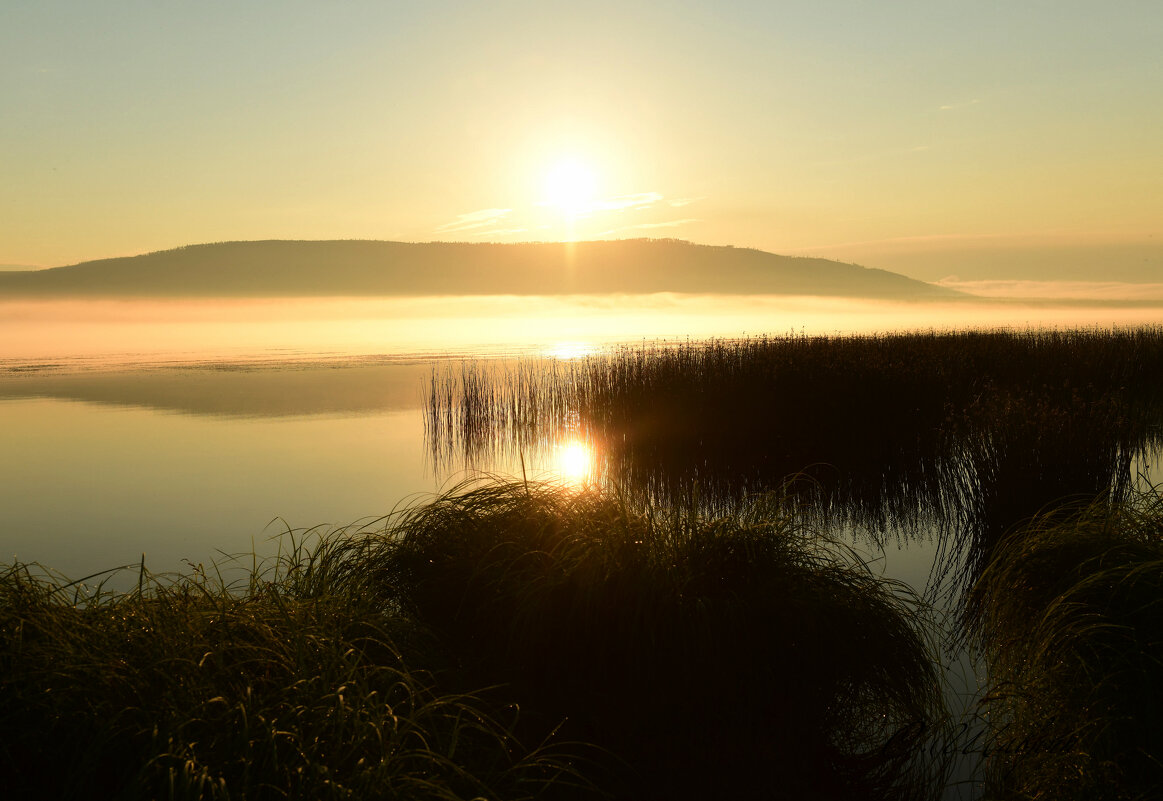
890	133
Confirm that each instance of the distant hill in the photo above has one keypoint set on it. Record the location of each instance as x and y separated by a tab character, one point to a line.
352	267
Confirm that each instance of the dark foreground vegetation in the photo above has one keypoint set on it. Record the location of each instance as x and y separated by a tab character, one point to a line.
515	641
1069	612
512	641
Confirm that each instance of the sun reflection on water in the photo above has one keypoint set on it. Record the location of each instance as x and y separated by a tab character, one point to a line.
570	350
574	462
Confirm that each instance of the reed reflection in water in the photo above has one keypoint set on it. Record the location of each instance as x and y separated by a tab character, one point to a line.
966	434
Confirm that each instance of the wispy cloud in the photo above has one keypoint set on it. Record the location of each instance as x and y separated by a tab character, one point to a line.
679	202
1059	290
474	219
639	201
936	240
584	219
500	231
667	224
965	104
650	226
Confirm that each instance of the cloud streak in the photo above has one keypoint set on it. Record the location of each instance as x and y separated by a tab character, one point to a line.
954	106
641	200
587	217
666	224
501	231
1059	290
474	219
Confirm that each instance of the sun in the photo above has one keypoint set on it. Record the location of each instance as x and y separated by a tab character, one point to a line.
571	185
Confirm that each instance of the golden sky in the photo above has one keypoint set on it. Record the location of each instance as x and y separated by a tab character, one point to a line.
985	139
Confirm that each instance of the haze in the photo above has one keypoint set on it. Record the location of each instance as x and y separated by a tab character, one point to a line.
946	140
71	335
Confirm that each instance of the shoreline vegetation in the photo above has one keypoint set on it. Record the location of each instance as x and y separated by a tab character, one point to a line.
635	639
516	640
507	640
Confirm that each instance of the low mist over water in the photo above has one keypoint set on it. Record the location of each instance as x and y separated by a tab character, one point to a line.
131	330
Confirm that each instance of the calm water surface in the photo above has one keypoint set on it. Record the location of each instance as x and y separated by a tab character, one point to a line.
188	463
86	486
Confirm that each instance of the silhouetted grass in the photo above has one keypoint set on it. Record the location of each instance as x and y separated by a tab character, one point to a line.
1069	613
292	685
738	656
728	657
972	432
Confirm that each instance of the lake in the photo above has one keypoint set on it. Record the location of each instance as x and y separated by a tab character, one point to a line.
185	429
192	462
175	433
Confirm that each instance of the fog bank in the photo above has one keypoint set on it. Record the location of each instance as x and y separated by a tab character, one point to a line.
105	332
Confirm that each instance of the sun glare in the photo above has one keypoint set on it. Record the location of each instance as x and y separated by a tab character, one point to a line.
570	350
575	462
570	185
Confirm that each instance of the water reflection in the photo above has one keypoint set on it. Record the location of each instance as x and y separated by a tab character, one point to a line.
253	388
574	462
570	350
85	486
136	330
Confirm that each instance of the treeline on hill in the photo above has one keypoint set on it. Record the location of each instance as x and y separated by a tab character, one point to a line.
363	267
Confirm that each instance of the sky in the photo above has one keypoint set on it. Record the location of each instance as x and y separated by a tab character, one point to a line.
948	140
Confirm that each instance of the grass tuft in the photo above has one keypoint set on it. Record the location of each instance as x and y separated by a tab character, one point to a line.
739	656
287	686
1069	613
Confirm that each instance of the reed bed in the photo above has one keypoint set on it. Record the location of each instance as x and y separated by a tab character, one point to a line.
971	432
1069	613
657	654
